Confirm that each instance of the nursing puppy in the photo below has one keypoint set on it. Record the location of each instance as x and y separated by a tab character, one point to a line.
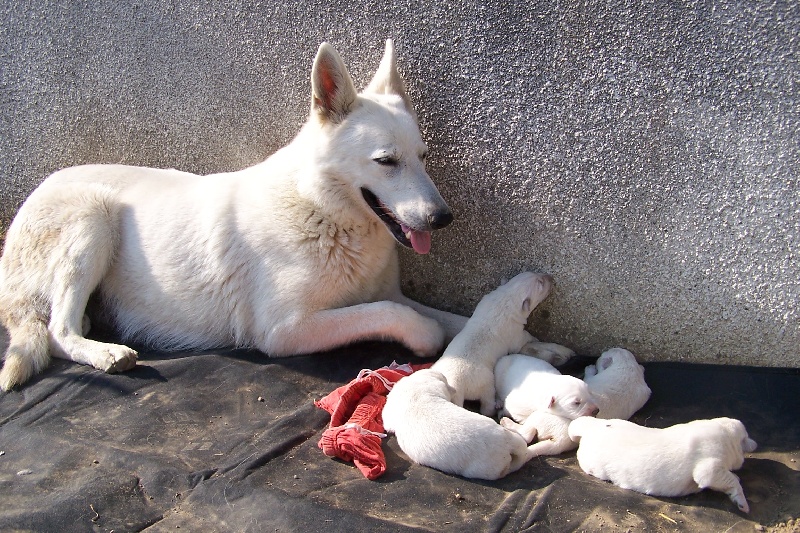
675	461
495	329
293	255
617	384
434	432
541	402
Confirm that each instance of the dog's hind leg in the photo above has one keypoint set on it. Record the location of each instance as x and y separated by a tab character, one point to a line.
87	246
27	353
711	474
528	432
552	446
57	250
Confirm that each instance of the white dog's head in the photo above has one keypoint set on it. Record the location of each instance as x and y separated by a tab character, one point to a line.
369	151
619	358
512	302
738	433
571	398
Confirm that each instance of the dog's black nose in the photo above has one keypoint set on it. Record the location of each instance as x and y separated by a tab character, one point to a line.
440	219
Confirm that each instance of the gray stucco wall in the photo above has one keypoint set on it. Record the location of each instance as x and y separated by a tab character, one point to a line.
645	154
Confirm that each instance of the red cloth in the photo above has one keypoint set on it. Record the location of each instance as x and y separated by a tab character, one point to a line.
356	423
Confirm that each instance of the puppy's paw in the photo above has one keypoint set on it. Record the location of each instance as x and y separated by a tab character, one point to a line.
555	354
590	371
508	423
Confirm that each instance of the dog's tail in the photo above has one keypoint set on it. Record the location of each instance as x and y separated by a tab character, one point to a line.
28	351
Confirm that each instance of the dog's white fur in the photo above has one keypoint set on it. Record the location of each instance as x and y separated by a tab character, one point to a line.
540	401
548	430
495	329
617	384
675	461
434	432
287	256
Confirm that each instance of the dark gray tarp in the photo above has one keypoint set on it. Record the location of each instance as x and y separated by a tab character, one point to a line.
227	441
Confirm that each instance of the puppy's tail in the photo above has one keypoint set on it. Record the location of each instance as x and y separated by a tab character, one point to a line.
28	352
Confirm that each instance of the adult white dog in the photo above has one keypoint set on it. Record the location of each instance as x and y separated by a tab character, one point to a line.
617	384
294	255
434	432
496	328
541	402
674	461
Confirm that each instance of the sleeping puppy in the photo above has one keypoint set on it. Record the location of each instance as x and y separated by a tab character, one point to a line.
617	383
675	461
495	329
434	432
541	402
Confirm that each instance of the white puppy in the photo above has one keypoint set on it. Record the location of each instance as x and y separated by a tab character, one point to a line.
541	401
675	461
617	384
434	432
495	329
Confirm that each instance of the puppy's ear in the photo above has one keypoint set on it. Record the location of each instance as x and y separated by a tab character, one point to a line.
387	79
332	91
749	445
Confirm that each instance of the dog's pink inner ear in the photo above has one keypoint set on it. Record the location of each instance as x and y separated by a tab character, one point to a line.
328	90
333	93
328	83
552	402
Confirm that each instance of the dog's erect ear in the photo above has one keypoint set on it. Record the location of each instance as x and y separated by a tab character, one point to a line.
332	91
387	79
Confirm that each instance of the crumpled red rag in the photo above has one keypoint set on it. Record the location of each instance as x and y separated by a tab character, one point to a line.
356	411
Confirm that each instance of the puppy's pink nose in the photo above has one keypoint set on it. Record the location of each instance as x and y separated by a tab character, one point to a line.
593	410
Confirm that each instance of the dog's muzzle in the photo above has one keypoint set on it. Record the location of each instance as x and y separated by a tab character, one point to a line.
417	239
440	219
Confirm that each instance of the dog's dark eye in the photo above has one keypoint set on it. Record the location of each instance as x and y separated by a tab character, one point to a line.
424	156
388	161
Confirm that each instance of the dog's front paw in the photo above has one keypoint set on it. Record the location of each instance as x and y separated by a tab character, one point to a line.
555	354
113	358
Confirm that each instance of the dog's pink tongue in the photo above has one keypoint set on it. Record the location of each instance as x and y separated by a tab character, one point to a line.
420	240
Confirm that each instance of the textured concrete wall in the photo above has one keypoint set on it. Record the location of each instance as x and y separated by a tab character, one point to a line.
644	154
